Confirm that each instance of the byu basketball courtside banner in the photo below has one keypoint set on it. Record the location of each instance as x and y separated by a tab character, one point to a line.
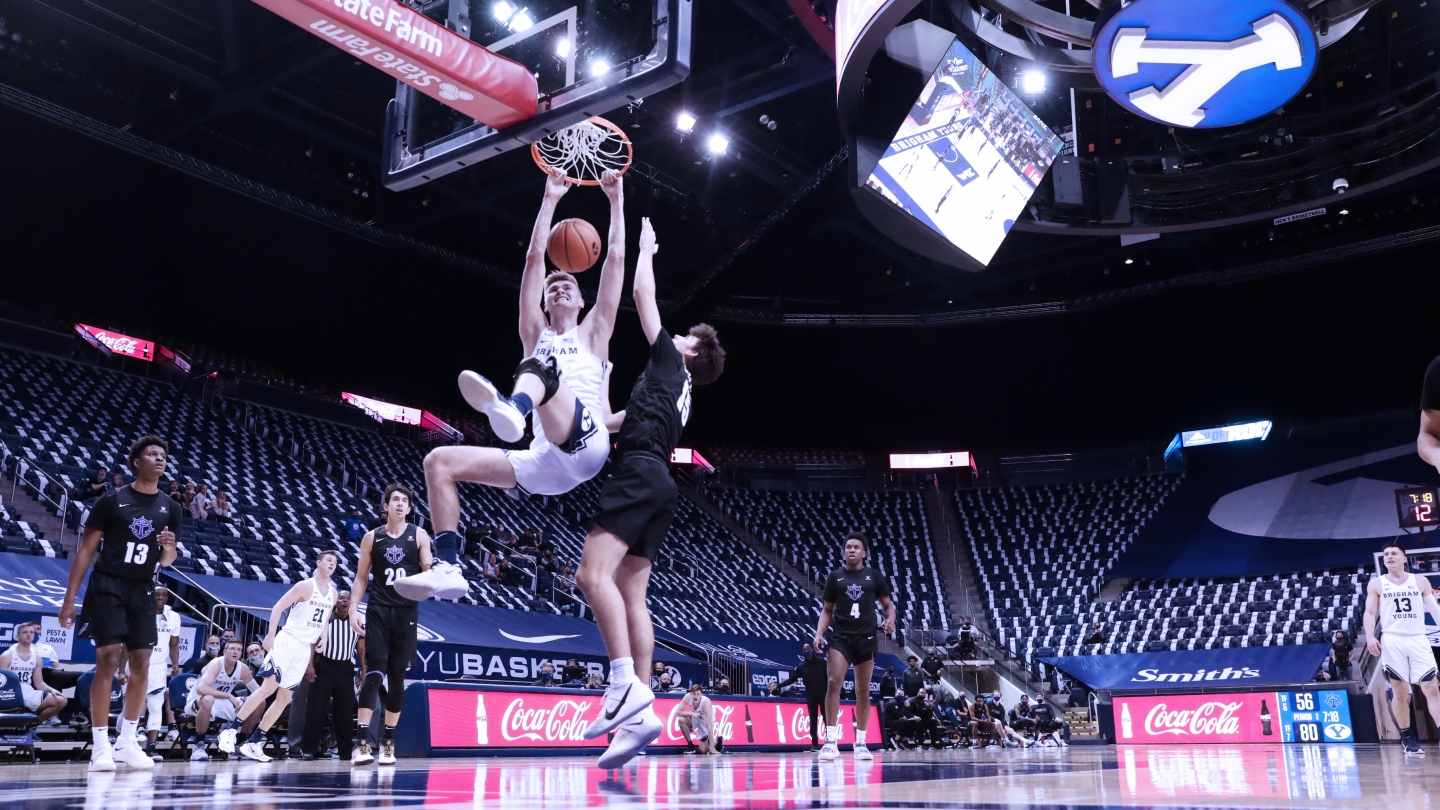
1204	63
493	644
35	584
1187	669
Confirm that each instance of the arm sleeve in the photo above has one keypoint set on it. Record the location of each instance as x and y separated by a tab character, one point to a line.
1430	394
100	513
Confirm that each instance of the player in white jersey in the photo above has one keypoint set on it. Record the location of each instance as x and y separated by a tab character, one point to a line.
212	695
163	658
560	381
309	602
1401	599
24	660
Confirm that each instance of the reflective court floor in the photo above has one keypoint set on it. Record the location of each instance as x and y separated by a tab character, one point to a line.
1077	777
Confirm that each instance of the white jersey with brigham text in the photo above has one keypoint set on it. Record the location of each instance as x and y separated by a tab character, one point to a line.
582	372
23	668
307	620
224	681
1402	612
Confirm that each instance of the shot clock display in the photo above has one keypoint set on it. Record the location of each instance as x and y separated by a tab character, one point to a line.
1419	507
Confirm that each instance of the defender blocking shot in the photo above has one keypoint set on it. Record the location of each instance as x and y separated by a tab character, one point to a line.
636	507
391	622
129	533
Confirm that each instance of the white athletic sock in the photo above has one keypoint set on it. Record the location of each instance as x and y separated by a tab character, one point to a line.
126	731
102	737
622	670
832	734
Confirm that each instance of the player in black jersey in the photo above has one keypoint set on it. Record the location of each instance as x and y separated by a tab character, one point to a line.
390	625
850	596
132	530
636	506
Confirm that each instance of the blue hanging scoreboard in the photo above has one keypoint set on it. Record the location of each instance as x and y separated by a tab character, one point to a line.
1315	717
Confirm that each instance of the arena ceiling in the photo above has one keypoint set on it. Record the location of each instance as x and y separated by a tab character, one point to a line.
226	91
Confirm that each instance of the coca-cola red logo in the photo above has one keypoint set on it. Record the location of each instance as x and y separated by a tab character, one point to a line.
562	721
1213	717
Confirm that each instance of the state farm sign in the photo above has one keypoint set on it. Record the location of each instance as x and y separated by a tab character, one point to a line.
1174	719
471	718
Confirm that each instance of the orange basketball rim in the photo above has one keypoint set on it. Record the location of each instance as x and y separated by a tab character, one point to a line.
584	152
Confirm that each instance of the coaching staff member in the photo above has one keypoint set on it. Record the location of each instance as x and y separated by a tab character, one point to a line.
129	532
811	672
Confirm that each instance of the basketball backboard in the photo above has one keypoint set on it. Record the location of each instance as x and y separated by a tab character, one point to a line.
588	58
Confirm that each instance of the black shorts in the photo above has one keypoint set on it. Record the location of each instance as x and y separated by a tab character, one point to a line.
638	502
856	648
391	636
119	611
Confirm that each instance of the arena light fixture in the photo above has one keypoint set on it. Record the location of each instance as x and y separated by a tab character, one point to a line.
685	122
1129	261
1033	82
718	144
512	16
599	67
562	48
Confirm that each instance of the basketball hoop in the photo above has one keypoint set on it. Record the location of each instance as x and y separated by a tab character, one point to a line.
584	152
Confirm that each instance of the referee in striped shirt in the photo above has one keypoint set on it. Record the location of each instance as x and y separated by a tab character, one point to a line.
332	677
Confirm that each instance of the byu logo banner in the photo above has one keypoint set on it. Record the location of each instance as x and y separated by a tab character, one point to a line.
1204	63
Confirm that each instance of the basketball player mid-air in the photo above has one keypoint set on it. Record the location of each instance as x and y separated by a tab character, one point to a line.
1398	598
391	623
571	441
635	509
851	592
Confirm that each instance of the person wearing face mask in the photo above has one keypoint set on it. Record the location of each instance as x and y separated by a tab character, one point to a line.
255	655
210	652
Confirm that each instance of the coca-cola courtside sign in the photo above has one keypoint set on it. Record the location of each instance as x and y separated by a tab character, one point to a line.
1248	717
137	348
470	718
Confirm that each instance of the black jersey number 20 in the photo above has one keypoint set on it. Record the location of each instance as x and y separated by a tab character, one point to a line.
392	574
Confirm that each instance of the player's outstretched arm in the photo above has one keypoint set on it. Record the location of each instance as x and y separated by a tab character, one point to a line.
826	613
600	324
362	579
532	282
889	625
422	545
644	292
1428	443
1372	607
1427	598
84	555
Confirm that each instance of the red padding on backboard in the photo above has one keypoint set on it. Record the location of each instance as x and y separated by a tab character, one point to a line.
413	48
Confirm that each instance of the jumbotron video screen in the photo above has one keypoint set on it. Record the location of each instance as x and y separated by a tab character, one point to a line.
968	156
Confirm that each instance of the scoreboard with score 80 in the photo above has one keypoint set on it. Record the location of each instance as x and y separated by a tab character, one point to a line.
1418	506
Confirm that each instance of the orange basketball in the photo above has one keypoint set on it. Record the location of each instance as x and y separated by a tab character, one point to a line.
574	245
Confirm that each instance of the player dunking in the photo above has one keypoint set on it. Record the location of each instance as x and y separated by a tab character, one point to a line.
132	530
391	623
851	592
571	441
1405	655
636	506
309	602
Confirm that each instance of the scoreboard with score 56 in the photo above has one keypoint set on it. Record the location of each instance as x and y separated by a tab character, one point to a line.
1419	507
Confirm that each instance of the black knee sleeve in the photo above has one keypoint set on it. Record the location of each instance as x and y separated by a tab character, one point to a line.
547	371
395	695
370	687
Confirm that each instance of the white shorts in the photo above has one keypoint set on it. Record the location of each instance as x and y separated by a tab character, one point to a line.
287	662
158	678
33	697
221	709
1408	659
545	469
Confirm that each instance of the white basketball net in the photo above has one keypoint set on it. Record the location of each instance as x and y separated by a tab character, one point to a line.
585	151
